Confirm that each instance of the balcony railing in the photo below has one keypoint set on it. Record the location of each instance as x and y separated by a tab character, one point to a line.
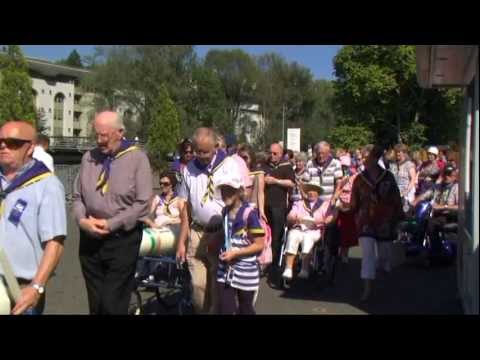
71	143
74	143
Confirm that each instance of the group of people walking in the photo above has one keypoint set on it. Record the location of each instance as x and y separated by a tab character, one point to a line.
227	206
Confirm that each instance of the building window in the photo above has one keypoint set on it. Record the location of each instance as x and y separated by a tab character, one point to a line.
58	113
69	94
50	92
43	91
49	110
69	112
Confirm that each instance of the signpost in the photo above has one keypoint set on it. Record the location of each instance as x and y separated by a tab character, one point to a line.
293	139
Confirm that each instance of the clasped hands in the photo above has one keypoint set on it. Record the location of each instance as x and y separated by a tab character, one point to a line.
94	226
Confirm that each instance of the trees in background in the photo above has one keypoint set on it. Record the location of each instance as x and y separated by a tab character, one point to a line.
74	59
376	87
16	94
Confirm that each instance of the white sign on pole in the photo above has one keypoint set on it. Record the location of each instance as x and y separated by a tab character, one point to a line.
293	139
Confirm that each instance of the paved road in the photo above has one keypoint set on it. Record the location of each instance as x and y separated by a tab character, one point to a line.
409	289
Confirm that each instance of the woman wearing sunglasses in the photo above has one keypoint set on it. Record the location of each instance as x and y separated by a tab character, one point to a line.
166	207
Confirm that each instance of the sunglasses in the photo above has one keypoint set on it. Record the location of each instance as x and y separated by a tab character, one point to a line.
274	153
13	143
165	184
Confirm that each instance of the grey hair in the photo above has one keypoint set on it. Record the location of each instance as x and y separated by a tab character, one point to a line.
321	144
204	132
301	156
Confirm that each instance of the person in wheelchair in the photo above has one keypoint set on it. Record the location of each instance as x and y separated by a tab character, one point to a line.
306	220
164	214
166	207
445	208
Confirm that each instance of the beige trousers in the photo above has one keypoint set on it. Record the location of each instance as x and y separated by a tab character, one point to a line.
203	270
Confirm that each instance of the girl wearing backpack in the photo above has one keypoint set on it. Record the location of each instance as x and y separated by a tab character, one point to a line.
238	274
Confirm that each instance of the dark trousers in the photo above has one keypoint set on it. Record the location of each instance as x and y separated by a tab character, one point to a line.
277	218
228	298
108	266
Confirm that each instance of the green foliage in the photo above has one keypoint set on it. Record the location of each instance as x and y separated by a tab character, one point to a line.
16	95
207	102
350	137
73	60
164	129
377	87
238	73
323	117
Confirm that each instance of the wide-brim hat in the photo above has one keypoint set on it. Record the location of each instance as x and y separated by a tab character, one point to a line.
313	185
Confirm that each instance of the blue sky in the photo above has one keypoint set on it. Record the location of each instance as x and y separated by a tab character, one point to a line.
318	58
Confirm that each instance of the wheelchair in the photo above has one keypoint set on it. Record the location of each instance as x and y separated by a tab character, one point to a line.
413	233
323	260
168	279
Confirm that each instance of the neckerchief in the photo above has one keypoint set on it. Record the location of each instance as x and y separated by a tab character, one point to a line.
102	182
166	204
217	162
271	166
311	209
321	166
35	173
238	226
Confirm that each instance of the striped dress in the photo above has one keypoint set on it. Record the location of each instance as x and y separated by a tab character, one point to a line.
243	273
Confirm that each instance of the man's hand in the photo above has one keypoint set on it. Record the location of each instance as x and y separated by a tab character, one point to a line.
28	298
270	180
94	226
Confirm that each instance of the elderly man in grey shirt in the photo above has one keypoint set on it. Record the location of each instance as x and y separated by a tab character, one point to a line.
111	197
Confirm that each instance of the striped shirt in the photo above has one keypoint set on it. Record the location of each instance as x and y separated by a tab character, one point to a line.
327	173
243	273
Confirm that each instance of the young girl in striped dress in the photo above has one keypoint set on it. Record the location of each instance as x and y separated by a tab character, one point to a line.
238	274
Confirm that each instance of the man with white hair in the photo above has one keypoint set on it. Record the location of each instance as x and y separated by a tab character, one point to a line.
199	189
326	168
111	197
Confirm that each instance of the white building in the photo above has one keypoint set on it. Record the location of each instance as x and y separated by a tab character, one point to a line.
67	109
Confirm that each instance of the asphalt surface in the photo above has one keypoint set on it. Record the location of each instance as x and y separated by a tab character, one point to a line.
408	289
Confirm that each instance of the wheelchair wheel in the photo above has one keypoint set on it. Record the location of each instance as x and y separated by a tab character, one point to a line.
137	308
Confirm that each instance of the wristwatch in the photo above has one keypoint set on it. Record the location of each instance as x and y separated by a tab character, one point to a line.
40	288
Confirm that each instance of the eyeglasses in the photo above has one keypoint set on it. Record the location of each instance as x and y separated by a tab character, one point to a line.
188	152
165	184
13	143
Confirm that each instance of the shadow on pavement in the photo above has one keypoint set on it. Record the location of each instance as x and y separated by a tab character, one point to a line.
408	289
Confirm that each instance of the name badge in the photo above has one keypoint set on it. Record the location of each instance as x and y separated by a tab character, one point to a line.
17	212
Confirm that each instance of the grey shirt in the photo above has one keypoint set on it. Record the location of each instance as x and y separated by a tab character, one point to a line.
129	190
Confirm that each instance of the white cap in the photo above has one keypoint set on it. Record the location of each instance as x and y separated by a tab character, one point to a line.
433	150
232	180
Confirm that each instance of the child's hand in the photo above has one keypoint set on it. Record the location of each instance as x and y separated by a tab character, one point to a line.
228	256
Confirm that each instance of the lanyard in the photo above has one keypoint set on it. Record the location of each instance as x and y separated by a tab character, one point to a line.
228	233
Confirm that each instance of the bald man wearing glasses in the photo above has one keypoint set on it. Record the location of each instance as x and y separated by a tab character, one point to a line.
279	181
32	216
